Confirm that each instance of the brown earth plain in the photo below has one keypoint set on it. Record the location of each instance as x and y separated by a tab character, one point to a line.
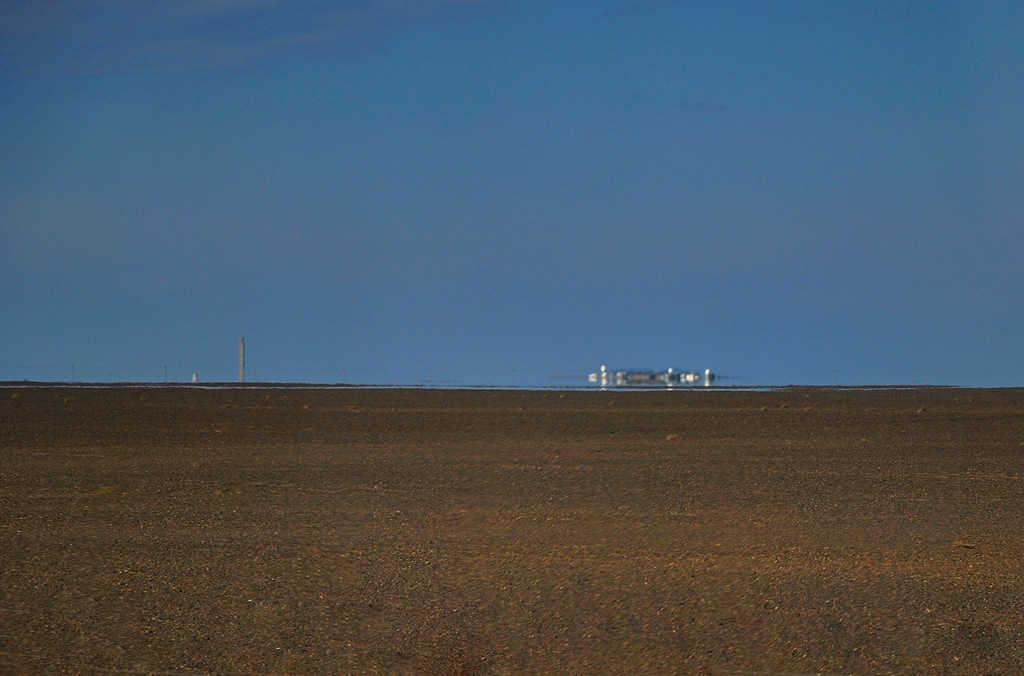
274	530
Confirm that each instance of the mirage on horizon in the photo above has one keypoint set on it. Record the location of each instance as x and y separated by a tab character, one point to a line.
669	377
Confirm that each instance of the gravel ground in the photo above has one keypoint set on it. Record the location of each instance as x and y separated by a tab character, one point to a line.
257	530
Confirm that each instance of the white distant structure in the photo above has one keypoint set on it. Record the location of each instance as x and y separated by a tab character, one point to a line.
195	377
669	377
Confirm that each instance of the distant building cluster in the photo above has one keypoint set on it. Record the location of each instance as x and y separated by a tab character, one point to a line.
670	377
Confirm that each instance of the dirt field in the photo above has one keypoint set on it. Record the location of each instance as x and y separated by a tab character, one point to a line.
332	531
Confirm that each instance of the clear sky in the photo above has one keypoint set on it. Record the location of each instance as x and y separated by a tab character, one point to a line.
499	191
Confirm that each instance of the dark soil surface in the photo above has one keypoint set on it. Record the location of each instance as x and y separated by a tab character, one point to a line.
332	531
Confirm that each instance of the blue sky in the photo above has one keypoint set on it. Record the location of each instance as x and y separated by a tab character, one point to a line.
497	192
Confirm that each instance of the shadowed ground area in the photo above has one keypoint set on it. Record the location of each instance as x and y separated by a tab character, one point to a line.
330	531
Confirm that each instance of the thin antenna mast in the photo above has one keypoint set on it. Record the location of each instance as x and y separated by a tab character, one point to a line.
241	360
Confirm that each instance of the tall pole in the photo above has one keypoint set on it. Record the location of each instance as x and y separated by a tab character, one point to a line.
241	360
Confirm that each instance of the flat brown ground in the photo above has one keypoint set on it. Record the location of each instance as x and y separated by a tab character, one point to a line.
304	531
